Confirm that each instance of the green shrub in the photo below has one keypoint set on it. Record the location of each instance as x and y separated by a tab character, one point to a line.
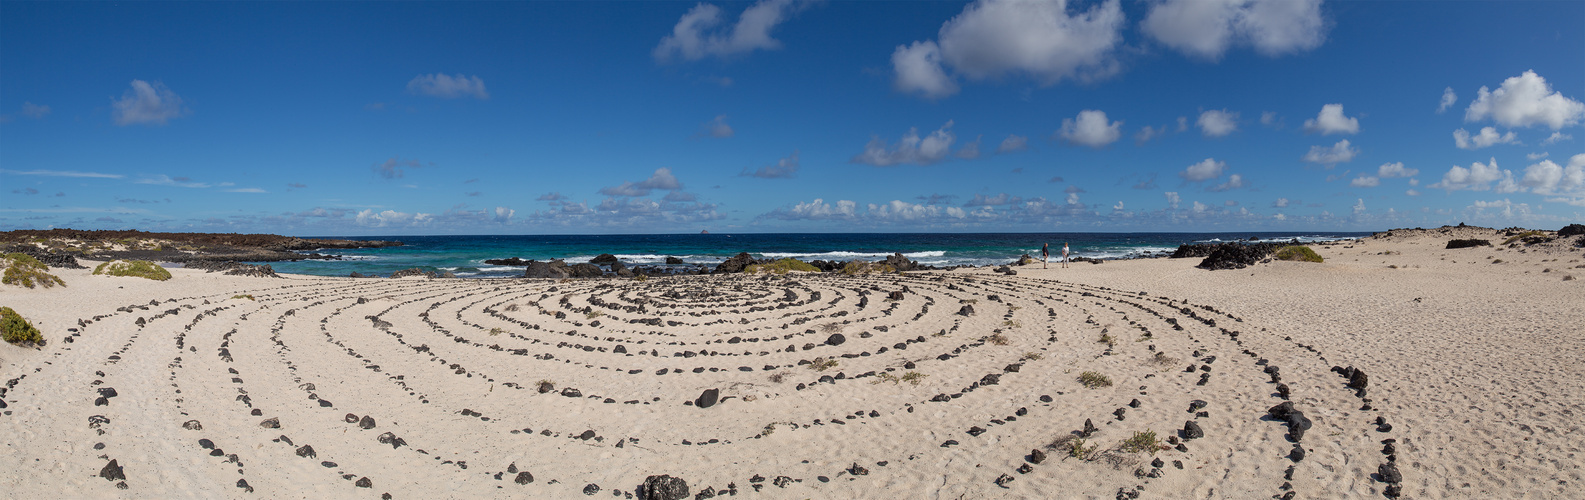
914	377
1094	380
137	268
23	270
782	266
861	267
18	330
244	296
822	364
1298	253
1142	441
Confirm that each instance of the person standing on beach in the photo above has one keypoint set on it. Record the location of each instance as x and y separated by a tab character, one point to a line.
1045	254
1064	254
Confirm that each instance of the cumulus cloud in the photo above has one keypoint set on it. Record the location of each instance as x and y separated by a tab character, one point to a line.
1338	153
936	199
1448	100
1359	207
1548	178
1365	181
980	200
1395	170
1234	181
1280	203
701	32
1488	136
1208	28
1557	137
1332	121
448	87
1147	133
1013	143
785	168
1535	156
815	210
971	150
662	179
551	196
1269	119
1217	122
910	149
994	38
504	215
1205	170
1090	129
146	103
1172	199
716	127
391	218
393	168
1478	177
1523	101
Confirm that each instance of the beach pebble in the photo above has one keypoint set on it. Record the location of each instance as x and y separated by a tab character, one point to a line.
708	398
192	425
307	451
664	487
591	489
523	478
271	423
1191	430
366	422
112	472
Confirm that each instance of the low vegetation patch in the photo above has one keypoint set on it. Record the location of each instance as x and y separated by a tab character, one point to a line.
1074	447
1031	356
822	364
914	377
831	327
861	267
1094	380
244	296
998	339
17	330
1106	338
496	331
781	266
1143	441
593	314
135	268
1163	361
1298	253
23	270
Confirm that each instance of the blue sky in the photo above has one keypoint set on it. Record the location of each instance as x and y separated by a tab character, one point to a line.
360	118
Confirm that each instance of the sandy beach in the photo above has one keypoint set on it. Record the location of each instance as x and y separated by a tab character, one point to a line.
945	384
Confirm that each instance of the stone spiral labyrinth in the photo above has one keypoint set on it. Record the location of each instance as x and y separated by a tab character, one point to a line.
962	384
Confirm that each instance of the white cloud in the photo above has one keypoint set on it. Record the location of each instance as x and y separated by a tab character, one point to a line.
389	218
448	87
246	190
1535	156
1509	208
816	210
35	111
662	179
1199	207
971	150
1234	181
1268	118
1523	101
717	127
1414	182
1013	143
1172	199
1205	170
1548	178
1488	136
1280	217
980	200
1207	28
1478	177
699	33
1412	192
165	180
1359	208
910	149
146	103
1557	137
1364	181
1332	121
1118	206
785	168
1280	203
504	215
1091	129
918	71
1448	100
993	38
1395	170
62	173
1338	153
1217	122
1147	133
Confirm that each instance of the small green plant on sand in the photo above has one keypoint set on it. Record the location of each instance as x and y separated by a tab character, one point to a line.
1094	380
914	377
1031	356
512	308
1143	441
778	377
1163	361
1106	338
998	339
1075	447
136	268
831	327
244	296
18	330
822	364
1012	324
23	270
641	278
884	377
861	267
782	266
496	331
1298	253
593	314
545	386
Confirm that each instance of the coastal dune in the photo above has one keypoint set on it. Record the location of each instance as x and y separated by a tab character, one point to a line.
1408	368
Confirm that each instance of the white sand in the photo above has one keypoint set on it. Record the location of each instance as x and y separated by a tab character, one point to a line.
1480	379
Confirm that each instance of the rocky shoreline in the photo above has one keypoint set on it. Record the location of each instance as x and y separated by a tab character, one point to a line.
67	245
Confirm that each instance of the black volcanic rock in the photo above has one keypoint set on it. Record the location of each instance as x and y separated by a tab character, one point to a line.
555	269
836	339
1451	244
736	264
1571	230
673	260
663	487
1237	255
708	398
1191	430
586	271
901	263
603	258
514	261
